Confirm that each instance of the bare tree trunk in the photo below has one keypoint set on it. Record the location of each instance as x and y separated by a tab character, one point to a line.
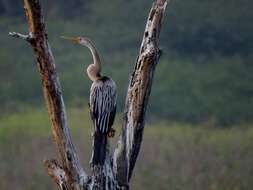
74	174
137	96
117	170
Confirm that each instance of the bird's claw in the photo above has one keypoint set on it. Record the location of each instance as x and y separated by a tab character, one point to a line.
111	133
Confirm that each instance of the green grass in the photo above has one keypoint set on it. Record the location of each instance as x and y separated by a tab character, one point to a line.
175	156
36	121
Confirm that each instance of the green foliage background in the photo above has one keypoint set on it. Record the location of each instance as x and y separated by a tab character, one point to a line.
205	73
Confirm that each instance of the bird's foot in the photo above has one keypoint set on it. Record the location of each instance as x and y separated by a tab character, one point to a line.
111	133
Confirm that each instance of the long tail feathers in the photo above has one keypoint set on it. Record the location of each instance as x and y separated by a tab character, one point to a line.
99	148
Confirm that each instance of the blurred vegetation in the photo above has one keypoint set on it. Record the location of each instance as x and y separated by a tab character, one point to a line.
203	80
182	156
205	74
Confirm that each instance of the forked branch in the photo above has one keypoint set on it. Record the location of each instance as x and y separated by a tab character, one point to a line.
69	175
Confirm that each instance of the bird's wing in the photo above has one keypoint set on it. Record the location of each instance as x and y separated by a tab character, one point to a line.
103	104
112	116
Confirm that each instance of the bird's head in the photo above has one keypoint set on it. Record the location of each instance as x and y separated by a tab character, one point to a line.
79	40
94	69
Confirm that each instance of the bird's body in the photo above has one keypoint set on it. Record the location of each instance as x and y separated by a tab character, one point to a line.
102	109
102	103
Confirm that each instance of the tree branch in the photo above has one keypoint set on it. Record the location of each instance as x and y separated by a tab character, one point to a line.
57	173
116	172
102	176
52	93
21	36
137	97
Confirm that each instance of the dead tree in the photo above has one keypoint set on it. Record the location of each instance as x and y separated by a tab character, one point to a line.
117	169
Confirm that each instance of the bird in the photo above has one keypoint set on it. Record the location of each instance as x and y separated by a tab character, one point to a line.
102	102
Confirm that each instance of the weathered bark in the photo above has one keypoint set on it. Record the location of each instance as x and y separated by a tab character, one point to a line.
102	176
53	94
116	172
137	96
58	174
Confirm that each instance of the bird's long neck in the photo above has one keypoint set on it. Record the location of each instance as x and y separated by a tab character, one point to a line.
94	69
95	56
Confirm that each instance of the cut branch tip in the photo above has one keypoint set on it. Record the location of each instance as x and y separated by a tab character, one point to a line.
21	36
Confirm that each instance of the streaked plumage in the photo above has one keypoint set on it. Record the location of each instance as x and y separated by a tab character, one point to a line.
103	104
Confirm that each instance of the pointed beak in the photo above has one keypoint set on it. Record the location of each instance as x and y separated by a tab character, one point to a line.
73	39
